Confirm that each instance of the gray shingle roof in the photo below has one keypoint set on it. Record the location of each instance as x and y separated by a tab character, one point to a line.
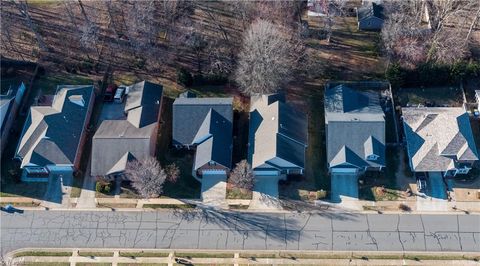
207	123
355	127
370	10
277	134
51	134
117	141
437	137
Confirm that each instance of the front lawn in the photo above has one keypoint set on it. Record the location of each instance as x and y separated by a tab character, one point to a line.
238	193
379	186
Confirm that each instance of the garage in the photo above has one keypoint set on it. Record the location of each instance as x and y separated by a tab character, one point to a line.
213	172
59	168
266	173
344	170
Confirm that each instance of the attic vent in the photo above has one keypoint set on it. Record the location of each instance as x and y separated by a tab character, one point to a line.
77	99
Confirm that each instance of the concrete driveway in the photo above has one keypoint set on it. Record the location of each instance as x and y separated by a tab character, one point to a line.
265	194
436	188
58	190
214	190
435	195
344	187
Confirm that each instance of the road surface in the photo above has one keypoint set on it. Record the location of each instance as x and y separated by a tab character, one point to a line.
208	229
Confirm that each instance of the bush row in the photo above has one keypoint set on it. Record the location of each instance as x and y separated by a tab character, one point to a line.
186	78
429	74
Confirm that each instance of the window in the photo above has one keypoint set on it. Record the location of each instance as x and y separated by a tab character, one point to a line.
372	157
211	163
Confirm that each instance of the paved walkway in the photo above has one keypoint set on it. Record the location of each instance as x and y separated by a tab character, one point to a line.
87	196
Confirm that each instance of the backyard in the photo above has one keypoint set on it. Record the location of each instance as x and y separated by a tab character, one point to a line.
431	96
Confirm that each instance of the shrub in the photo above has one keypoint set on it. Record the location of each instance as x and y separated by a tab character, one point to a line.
321	194
184	77
98	187
103	185
404	207
139	62
396	75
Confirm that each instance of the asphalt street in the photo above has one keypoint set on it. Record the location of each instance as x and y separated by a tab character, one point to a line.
208	229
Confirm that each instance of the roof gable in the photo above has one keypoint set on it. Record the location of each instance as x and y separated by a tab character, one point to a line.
437	137
52	134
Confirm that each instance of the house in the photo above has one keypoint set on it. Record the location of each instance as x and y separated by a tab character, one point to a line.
53	136
9	106
439	139
355	130
206	125
277	137
133	135
370	16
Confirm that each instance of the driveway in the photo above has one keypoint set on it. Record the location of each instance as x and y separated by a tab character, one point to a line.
214	190
436	187
344	187
436	194
58	190
265	194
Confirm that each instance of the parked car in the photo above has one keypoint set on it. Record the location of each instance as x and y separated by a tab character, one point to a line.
183	261
119	95
421	182
109	93
10	209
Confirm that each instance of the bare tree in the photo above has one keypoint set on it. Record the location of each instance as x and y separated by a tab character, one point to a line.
269	56
411	37
173	172
24	10
147	176
242	175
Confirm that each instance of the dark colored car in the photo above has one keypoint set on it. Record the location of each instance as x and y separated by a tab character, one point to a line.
110	93
183	261
10	209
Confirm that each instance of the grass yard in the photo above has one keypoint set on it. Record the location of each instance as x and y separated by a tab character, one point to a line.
437	96
47	84
21	204
34	253
238	193
315	177
170	206
143	254
11	186
379	186
95	254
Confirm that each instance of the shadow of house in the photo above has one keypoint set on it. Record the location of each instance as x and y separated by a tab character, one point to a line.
133	136
53	136
9	107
